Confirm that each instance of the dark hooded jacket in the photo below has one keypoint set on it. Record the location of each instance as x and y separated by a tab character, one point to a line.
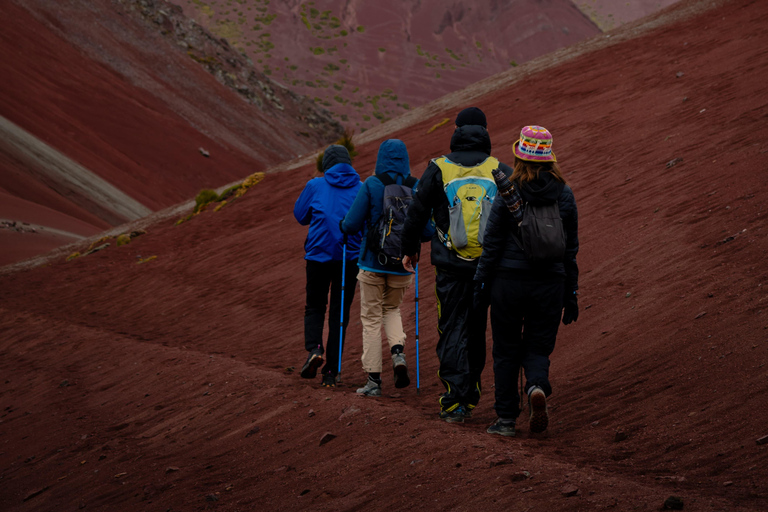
392	160
324	202
470	145
501	253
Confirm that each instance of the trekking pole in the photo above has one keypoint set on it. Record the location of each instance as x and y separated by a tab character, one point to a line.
343	276
416	271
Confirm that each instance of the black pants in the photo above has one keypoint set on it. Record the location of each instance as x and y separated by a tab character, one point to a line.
461	348
320	277
525	316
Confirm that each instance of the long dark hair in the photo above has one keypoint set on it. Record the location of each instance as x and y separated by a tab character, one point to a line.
525	171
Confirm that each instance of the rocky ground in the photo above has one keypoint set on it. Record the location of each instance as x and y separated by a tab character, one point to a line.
170	383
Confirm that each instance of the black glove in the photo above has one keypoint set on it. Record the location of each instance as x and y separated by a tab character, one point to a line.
570	307
343	234
482	295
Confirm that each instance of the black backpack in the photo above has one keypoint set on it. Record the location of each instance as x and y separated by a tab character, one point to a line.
385	234
541	235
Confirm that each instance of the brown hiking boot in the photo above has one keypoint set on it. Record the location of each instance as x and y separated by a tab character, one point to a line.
539	415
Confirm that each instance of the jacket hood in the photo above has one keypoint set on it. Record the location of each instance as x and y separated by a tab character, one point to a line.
335	154
471	137
543	190
393	158
342	176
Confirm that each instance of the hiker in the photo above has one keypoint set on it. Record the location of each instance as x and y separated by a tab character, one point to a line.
383	280
456	190
529	288
322	204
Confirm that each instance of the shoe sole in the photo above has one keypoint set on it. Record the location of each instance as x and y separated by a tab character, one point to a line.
370	393
500	433
539	416
401	376
310	372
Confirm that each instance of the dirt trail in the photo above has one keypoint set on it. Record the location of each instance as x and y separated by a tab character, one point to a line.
171	384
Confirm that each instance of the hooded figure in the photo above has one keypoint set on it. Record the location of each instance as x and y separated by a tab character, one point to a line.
322	204
462	321
382	286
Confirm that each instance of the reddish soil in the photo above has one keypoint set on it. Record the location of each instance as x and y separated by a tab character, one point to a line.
608	14
171	385
107	89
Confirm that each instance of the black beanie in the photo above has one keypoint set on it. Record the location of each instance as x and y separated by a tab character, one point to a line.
335	154
471	115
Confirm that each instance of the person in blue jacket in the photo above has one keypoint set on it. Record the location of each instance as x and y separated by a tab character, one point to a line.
382	283
322	204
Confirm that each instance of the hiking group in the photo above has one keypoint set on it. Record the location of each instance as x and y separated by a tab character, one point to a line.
502	237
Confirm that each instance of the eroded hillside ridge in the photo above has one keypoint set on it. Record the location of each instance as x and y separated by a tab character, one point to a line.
369	62
231	67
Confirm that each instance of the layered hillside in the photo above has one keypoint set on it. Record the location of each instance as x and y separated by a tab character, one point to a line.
368	62
111	110
172	384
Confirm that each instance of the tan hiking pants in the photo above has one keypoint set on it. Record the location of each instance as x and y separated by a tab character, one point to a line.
380	298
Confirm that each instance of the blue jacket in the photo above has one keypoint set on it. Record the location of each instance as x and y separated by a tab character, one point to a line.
322	204
393	160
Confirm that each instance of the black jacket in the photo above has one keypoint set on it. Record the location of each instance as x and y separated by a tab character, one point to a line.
470	145
500	250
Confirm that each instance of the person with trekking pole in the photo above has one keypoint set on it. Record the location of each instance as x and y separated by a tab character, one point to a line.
379	210
330	262
529	271
456	191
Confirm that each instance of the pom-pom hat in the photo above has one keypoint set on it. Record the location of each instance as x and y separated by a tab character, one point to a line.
534	145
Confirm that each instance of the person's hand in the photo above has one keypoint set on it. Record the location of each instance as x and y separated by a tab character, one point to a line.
482	295
343	234
570	308
410	261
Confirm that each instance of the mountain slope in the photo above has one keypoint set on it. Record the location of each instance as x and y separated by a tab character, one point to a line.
117	94
368	62
172	386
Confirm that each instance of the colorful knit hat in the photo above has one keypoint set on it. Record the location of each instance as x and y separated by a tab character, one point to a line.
535	145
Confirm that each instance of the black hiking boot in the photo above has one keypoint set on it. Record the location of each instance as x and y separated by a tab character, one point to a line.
329	380
314	360
502	427
401	370
455	415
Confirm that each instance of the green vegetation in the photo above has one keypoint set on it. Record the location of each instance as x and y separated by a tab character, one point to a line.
360	29
382	50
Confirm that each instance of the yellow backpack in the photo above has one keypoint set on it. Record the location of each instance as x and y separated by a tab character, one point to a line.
470	192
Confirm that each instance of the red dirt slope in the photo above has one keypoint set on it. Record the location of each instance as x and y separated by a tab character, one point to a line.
106	88
168	385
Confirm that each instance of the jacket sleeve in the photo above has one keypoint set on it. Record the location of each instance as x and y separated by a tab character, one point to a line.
494	240
302	210
570	217
354	221
420	210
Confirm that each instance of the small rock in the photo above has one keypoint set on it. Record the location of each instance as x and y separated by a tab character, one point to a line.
520	476
595	423
311	413
64	383
679	74
304	492
254	430
569	490
171	469
36	493
204	152
620	436
762	440
727	484
498	460
211	497
700	315
327	437
628	295
674	162
673	503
